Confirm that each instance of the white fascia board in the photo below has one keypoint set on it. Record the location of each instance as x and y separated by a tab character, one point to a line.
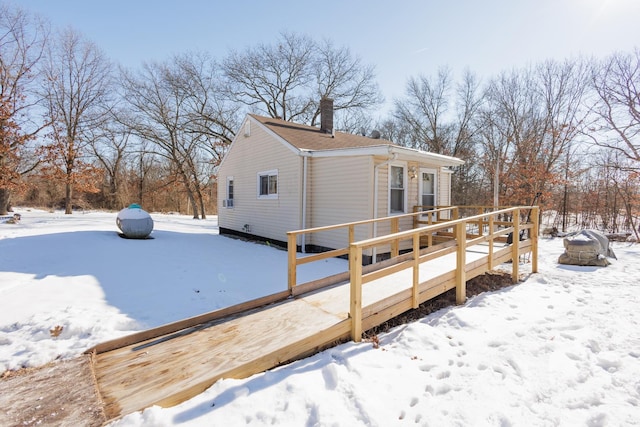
382	150
374	150
432	158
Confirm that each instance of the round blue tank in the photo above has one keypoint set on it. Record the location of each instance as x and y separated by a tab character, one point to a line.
134	222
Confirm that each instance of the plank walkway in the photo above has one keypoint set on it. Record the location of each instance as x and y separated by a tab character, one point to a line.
169	369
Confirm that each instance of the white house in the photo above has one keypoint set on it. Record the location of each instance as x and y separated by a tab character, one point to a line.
280	176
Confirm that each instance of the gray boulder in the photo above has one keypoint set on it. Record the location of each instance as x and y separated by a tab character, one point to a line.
586	247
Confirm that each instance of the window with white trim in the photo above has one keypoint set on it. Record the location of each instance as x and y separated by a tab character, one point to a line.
228	203
268	184
397	190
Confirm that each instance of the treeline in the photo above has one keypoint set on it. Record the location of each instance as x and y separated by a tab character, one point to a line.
76	130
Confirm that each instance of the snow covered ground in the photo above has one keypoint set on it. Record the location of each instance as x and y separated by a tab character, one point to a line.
561	348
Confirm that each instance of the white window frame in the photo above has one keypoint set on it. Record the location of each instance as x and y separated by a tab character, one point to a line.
269	173
230	197
402	165
436	190
434	172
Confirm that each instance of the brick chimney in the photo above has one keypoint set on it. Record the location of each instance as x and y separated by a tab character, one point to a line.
326	115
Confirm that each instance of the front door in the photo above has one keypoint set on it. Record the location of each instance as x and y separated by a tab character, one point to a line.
428	188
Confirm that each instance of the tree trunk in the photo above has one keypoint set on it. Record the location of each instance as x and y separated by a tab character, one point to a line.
4	201
192	202
113	193
141	181
191	196
201	201
67	199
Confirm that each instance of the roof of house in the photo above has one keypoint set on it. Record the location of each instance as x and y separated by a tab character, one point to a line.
312	140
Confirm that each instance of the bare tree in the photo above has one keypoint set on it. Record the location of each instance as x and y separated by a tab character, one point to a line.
22	41
426	102
178	108
287	79
156	118
344	78
516	121
610	198
145	172
441	121
494	148
395	130
109	145
562	87
466	140
531	118
208	111
616	83
77	88
273	78
442	118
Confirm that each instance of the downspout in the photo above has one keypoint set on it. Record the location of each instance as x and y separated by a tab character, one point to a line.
303	225
393	157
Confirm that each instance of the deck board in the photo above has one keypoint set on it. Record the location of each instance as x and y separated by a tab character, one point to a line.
157	369
169	369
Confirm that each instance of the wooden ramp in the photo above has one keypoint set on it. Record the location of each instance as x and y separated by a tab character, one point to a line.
170	369
170	364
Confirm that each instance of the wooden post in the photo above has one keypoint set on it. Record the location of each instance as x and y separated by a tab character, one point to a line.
395	245
480	222
355	270
461	263
515	246
490	261
430	233
535	213
292	249
416	269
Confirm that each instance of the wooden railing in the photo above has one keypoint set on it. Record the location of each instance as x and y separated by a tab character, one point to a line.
493	231
435	215
436	232
294	261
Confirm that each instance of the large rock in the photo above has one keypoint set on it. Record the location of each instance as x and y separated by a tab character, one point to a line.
586	247
134	222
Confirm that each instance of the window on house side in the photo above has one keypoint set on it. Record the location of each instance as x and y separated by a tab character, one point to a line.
229	192
268	185
396	190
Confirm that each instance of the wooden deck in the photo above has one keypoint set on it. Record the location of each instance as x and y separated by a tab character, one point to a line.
170	364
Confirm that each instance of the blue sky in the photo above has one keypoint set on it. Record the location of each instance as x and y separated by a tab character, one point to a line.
401	38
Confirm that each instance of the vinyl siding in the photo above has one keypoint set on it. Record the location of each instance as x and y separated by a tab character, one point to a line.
382	228
340	190
444	189
444	179
268	218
